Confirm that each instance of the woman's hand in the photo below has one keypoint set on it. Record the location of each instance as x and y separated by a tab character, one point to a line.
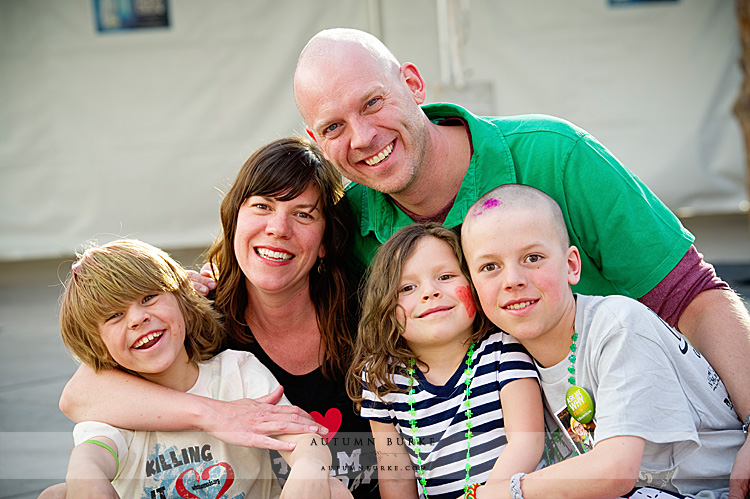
203	281
252	422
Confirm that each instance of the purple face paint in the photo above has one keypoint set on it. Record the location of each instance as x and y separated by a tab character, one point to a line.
487	205
491	203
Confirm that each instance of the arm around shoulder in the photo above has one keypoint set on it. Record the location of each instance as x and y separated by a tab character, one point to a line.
88	397
246	422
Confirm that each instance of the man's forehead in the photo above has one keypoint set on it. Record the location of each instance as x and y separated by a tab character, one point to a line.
342	66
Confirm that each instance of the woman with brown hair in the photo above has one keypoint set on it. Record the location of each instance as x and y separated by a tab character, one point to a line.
285	297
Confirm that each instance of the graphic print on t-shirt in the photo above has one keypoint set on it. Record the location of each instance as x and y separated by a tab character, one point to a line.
332	421
190	472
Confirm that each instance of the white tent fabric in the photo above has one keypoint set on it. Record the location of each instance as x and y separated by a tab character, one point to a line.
135	133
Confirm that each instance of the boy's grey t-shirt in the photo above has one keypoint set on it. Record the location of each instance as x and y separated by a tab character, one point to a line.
648	381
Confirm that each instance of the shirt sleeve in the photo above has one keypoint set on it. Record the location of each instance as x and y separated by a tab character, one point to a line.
515	362
627	233
238	375
674	293
375	409
88	430
638	391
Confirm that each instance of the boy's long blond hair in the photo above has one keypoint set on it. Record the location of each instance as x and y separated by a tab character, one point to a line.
107	279
380	350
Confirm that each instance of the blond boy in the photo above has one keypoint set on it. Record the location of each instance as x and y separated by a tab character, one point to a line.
128	305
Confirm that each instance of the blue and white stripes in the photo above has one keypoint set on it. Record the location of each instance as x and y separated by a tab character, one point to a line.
499	359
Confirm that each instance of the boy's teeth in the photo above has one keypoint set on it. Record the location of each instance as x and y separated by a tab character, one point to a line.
274	255
380	157
517	306
149	337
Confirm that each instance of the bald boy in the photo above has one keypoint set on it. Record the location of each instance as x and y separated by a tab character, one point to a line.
657	418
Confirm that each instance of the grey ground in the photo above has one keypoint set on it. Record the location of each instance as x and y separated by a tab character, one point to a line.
35	437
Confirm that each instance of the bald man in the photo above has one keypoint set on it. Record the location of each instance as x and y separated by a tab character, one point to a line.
412	162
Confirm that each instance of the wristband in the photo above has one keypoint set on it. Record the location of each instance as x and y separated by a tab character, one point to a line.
110	449
471	491
745	425
515	486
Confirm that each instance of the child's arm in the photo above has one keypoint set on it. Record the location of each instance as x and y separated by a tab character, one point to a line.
310	464
90	471
609	470
143	405
523	414
396	478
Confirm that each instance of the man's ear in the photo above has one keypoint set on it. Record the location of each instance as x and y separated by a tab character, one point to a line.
414	82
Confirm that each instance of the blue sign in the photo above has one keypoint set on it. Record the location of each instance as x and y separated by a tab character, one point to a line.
117	15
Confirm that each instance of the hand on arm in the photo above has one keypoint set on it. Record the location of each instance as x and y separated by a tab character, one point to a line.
717	323
90	471
523	414
246	422
396	478
609	470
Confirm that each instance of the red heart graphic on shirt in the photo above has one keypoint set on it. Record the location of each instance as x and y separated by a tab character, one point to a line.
332	421
184	492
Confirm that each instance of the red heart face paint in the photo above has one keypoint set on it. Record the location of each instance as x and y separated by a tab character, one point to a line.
464	294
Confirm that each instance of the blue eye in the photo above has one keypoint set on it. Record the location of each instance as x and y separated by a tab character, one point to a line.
113	316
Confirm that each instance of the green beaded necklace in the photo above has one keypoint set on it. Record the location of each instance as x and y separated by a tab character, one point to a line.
572	359
578	401
467	412
553	438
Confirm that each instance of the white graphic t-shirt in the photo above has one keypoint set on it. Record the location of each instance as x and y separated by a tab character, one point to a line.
161	465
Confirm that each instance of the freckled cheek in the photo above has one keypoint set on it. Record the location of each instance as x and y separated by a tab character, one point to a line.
464	294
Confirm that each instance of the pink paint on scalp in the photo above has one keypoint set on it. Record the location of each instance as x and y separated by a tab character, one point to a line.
464	294
487	205
491	203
